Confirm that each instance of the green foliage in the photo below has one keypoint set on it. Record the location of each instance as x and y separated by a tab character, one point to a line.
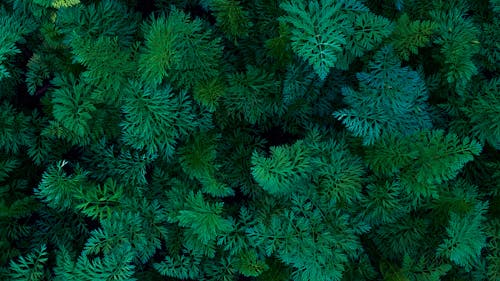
231	18
279	47
252	95
37	73
411	35
108	18
182	267
155	117
250	266
315	35
114	266
391	99
98	202
197	159
30	267
57	3
422	161
209	92
57	189
336	172
204	219
58	228
14	129
364	30
298	81
329	33
136	226
223	270
458	38
415	270
466	237
178	49
267	140
72	106
108	63
124	166
427	157
384	203
7	165
12	29
284	170
301	237
483	111
489	39
198	155
216	188
493	258
399	238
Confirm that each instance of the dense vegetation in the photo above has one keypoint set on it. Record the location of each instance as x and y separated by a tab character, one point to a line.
320	140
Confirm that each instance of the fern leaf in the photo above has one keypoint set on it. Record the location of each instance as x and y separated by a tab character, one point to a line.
282	171
203	218
466	237
315	35
31	267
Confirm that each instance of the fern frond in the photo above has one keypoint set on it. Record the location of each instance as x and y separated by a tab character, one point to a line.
72	106
411	35
231	18
58	189
281	173
315	34
181	267
155	118
31	267
466	237
252	95
203	218
179	49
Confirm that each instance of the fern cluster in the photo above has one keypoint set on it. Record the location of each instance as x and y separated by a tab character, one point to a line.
266	140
